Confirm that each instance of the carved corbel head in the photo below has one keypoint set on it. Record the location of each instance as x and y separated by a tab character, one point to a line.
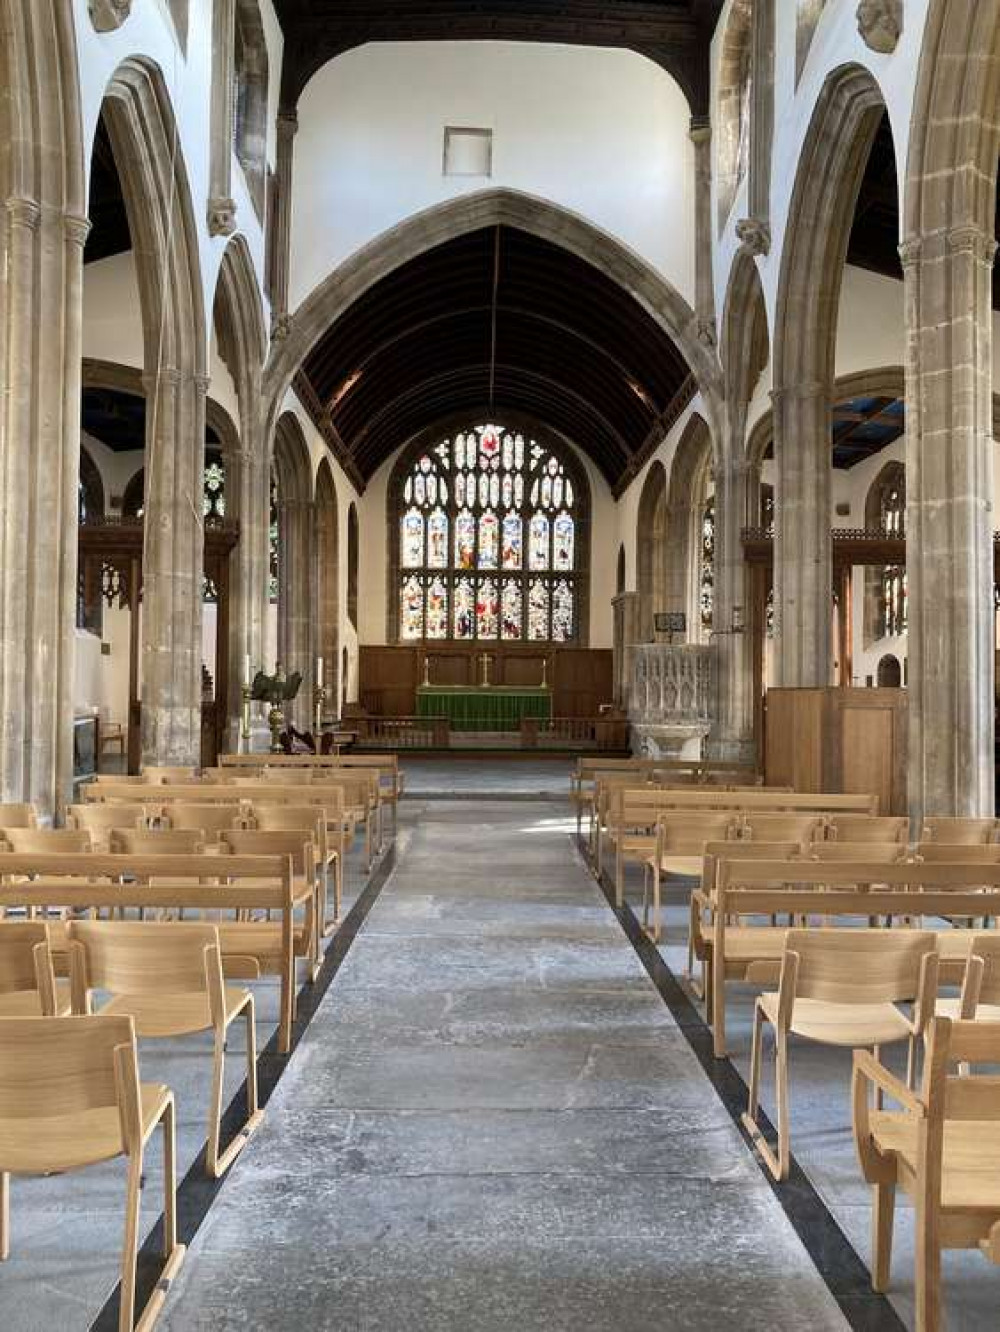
880	23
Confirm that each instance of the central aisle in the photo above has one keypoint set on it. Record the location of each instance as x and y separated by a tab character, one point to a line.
493	1123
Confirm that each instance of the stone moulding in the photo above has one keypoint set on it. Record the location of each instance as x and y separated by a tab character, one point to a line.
106	15
880	23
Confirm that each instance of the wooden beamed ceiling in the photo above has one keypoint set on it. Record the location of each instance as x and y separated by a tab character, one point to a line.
494	321
674	34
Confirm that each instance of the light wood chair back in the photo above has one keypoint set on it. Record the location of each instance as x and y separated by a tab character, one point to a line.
958	831
689	834
290	776
102	819
29	841
846	966
143	958
961	853
208	820
982	979
157	842
73	1063
867	828
879	853
26	971
118	779
803	828
18	816
158	772
248	842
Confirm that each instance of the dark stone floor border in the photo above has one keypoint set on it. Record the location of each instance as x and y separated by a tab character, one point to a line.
197	1192
843	1271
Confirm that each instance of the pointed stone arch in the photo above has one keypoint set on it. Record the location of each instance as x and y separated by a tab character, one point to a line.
828	179
687	491
327	612
145	142
238	316
43	202
948	253
650	548
489	208
296	559
746	341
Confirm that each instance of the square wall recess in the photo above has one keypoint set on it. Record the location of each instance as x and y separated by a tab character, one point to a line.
467	152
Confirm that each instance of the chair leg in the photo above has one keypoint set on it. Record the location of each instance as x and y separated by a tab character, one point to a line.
781	1083
777	1164
215	1105
928	1266
756	1050
657	907
883	1217
216	1162
169	1124
130	1248
645	898
4	1216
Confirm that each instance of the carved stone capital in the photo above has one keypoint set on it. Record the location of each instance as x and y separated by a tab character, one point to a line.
754	235
281	326
706	332
24	213
77	229
221	217
938	245
106	15
880	23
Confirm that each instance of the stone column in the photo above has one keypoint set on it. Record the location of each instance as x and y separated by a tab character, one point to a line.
704	300
296	598
248	483
288	124
627	632
802	547
949	521
732	731
173	567
41	276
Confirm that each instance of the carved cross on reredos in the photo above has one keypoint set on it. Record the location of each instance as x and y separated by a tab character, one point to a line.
484	666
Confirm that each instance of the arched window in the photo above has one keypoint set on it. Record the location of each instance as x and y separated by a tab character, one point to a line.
489	541
272	541
767	509
707	579
885	587
352	565
213	503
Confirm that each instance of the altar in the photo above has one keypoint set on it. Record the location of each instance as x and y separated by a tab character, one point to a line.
485	707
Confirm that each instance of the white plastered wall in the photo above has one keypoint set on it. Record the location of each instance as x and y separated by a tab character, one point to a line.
600	132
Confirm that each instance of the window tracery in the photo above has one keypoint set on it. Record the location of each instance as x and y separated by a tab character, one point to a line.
707	578
488	535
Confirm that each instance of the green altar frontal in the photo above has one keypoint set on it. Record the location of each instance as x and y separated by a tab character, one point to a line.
486	707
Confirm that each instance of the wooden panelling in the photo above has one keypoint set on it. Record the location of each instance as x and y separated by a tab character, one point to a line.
580	678
850	740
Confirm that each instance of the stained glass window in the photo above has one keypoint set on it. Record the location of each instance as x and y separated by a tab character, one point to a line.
214	495
886	505
489	541
273	542
707	582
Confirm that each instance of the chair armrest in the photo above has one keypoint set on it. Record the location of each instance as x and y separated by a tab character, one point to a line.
867	1066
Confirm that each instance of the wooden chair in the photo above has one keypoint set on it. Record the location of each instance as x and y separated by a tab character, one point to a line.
980	997
299	848
29	841
18	816
840	987
680	847
168	979
70	1097
958	831
284	776
867	828
801	828
311	821
157	842
208	820
942	1148
28	986
101	820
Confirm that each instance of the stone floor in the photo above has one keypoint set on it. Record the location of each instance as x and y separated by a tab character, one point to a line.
494	1123
515	777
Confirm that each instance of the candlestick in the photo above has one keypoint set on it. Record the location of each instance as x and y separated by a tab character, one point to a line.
245	726
246	669
319	672
319	698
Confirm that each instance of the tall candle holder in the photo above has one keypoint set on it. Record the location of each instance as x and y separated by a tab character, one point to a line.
319	698
245	693
276	717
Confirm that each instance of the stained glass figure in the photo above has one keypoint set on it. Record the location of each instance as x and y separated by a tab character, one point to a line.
463	606
465	540
538	610
437	609
486	609
538	547
562	612
707	581
489	540
510	610
437	540
412	608
413	540
214	495
473	502
563	538
512	541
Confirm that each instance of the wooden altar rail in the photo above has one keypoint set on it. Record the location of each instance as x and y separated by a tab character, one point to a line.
405	732
600	733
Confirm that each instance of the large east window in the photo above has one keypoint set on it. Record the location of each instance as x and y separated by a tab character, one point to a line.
489	541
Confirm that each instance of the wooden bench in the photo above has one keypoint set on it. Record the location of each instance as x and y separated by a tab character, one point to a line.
737	951
241	884
634	812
